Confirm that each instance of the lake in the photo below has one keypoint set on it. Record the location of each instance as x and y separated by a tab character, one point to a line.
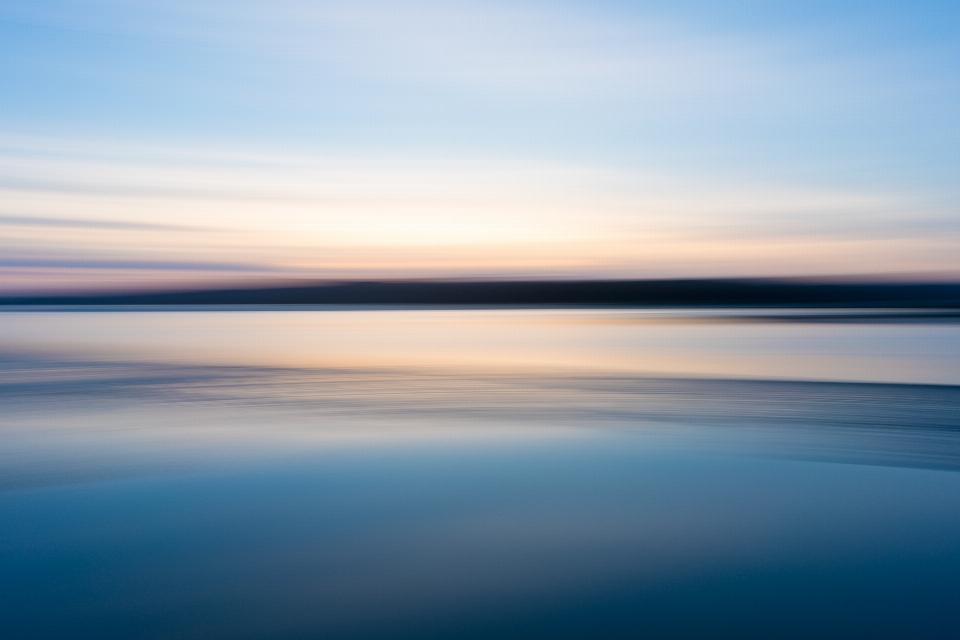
436	473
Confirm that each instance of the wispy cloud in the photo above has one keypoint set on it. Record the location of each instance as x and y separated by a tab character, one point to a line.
125	265
66	223
422	216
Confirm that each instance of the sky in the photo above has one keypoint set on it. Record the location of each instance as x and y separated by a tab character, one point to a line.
164	143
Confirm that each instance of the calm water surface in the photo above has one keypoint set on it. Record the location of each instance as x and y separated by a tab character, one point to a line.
363	473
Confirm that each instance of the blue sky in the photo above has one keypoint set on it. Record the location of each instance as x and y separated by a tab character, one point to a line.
140	141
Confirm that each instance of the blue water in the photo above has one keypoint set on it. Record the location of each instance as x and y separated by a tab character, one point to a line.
387	474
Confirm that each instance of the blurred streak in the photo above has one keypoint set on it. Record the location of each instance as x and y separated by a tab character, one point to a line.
349	216
98	391
131	265
651	343
29	221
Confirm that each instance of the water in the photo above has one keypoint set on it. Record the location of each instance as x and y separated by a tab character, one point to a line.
363	473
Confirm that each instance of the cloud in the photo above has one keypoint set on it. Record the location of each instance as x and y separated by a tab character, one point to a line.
66	223
342	216
128	265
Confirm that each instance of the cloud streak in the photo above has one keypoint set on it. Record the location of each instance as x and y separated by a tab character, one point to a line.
66	223
125	265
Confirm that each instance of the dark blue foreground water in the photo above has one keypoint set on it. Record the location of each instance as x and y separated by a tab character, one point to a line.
175	492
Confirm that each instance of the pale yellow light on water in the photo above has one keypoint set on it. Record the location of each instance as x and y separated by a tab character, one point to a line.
556	341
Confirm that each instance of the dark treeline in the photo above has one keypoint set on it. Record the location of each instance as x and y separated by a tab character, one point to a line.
684	293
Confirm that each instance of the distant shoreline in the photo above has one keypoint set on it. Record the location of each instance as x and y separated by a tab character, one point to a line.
703	293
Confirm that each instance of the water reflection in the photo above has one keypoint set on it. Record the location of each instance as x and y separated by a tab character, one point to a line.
160	484
659	343
70	417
